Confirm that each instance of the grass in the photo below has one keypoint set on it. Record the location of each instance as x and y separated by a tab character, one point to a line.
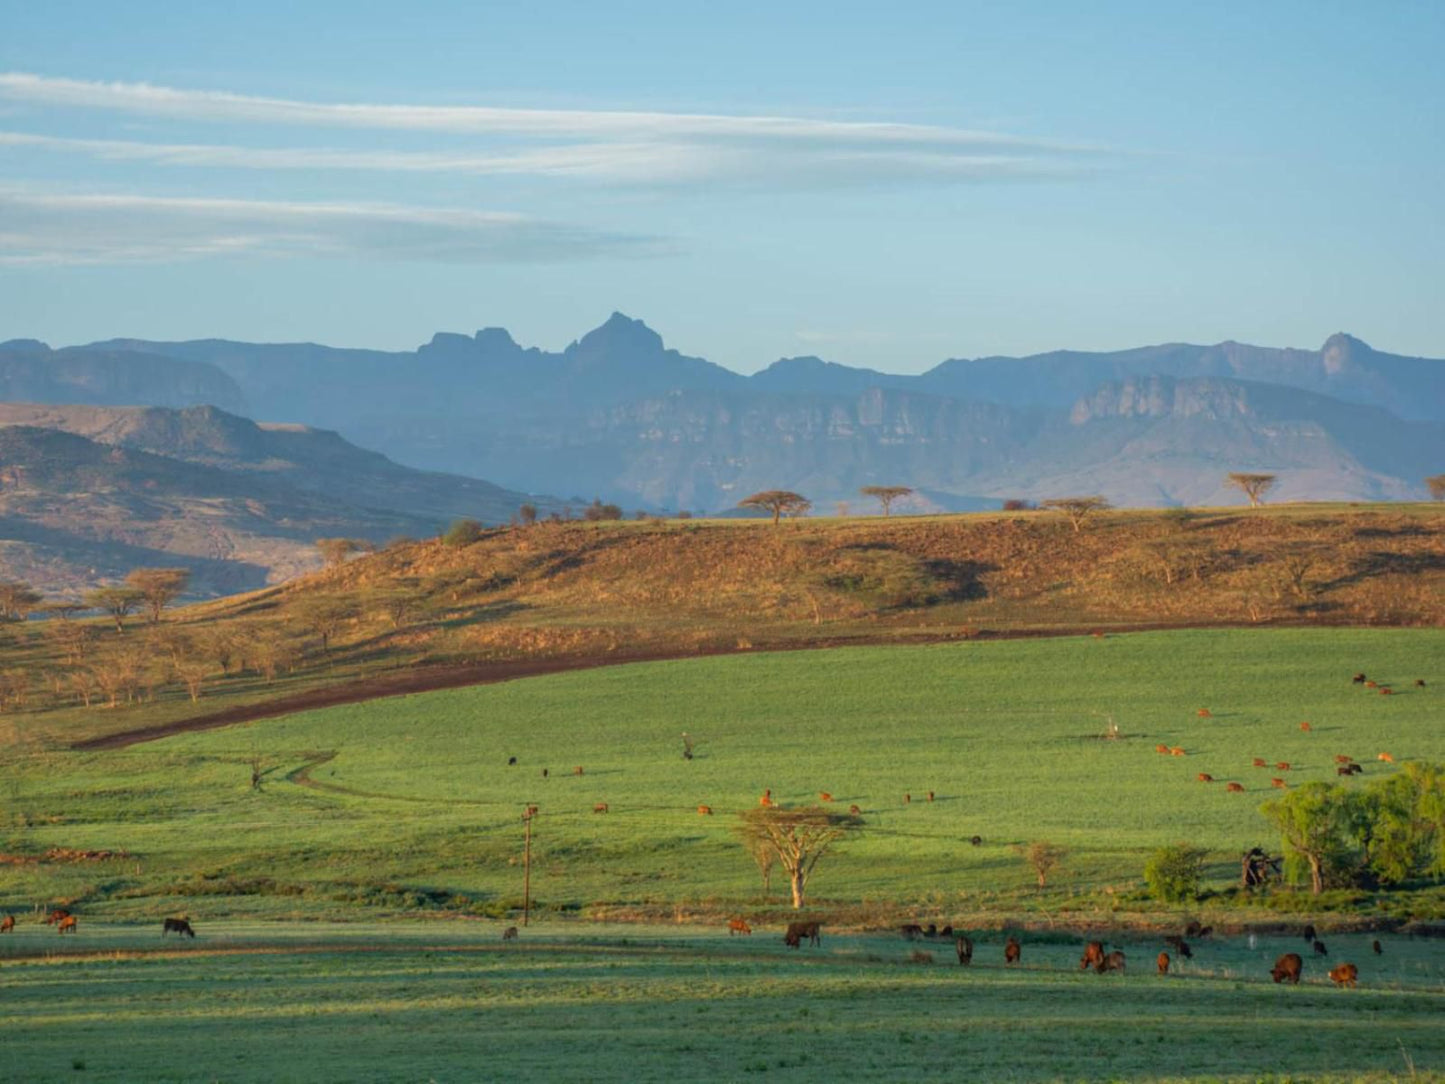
447	1002
411	805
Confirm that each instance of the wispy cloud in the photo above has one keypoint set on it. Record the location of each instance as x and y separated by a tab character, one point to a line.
43	228
146	98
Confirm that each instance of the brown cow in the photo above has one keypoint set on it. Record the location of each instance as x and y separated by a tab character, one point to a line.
577	770
1287	968
1279	783
1342	758
854	811
1305	727
1419	683
66	923
799	930
1204	713
1372	685
965	950
60	914
1359	679
8	924
1205	777
1344	975
1012	951
738	925
1161	748
1176	751
600	807
911	932
824	796
179	927
1281	766
1260	762
907	798
1386	757
509	934
704	810
1344	769
1093	955
930	796
1163	962
1112	962
1234	788
767	798
1385	690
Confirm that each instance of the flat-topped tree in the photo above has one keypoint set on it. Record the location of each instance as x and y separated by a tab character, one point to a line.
158	587
119	602
780	502
798	837
1077	509
1255	486
886	495
18	600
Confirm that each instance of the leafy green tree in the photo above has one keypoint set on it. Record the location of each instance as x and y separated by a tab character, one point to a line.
1407	836
799	838
780	502
159	587
1174	873
1323	828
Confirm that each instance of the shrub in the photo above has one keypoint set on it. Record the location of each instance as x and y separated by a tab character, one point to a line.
463	532
1173	873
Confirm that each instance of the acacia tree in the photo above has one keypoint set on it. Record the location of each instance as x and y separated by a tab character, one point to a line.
324	616
1077	509
335	551
780	502
158	587
799	838
1436	485
1255	486
119	602
886	495
17	600
1043	858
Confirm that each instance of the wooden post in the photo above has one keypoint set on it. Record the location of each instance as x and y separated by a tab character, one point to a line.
527	867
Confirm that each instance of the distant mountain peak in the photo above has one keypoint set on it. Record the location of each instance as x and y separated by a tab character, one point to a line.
25	346
1340	350
619	333
490	339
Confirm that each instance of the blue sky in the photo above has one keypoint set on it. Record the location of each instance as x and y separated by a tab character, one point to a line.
882	185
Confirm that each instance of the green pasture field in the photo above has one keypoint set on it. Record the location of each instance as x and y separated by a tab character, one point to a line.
412	805
448	1001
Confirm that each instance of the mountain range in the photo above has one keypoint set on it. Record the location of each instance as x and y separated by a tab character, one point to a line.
617	414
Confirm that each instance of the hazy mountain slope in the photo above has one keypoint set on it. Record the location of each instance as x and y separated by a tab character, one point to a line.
31	372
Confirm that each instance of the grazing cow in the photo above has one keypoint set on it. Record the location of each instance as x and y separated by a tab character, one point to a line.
1205	777
1355	769
965	950
1093	955
1419	683
1344	769
1176	751
8	924
1012	951
511	762
509	934
823	795
60	914
1385	690
799	930
1386	757
1260	762
1305	727
531	811
577	770
767	798
1319	948
1206	931
600	807
66	923
1287	968
1281	766
738	925
1112	962
1310	933
1204	713
1234	788
1344	975
977	841
907	798
178	926
854	811
1161	748
704	810
1163	963
1376	946
1192	930
1279	783
1359	679
1181	946
544	773
932	930
1343	758
946	932
911	932
1372	685
930	796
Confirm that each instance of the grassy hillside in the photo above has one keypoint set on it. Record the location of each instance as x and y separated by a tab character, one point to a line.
409	803
576	593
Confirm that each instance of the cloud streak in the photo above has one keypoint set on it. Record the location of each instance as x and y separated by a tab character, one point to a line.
44	228
209	105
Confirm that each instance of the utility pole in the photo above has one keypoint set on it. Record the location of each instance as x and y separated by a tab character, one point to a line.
527	865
